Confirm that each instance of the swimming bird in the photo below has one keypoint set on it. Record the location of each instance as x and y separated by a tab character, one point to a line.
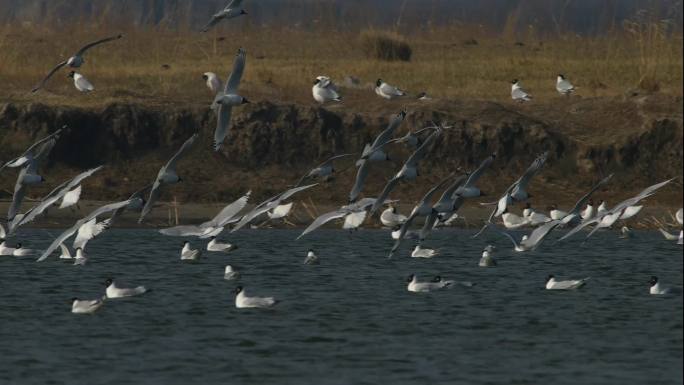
228	98
230	273
667	235
468	189
42	146
553	284
113	291
626	233
80	82
213	82
311	258
420	252
74	61
563	85
324	90
409	171
84	306
534	217
214	245
243	301
487	259
83	221
391	218
6	250
268	205
518	93
323	171
189	254
437	283
232	10
658	289
387	91
166	175
422	209
19	251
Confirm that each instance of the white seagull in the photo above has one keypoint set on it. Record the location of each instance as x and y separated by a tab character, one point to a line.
420	252
228	98
324	90
387	91
518	93
74	61
437	283
80	82
563	85
114	291
552	284
233	9
212	81
189	254
657	288
230	273
243	301
391	218
487	259
84	306
311	258
214	245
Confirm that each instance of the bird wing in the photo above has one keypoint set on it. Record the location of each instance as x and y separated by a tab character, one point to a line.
420	153
234	4
292	191
531	171
323	219
71	197
171	164
65	250
386	135
228	212
354	219
429	224
155	192
49	75
332	158
583	201
182	231
449	192
475	176
361	175
538	234
579	227
235	76
33	151
385	193
93	44
212	22
84	84
222	123
88	231
17	197
402	233
504	233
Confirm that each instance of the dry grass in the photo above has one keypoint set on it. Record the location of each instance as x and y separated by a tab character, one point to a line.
387	46
282	62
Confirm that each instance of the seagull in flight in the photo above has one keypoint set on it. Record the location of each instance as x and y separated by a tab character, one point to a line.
229	98
166	175
233	9
74	61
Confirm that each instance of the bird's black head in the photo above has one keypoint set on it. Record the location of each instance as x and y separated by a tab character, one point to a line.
437	278
561	76
78	248
185	243
514	81
310	251
73	299
554	206
42	179
591	202
402	113
410	278
212	238
528	205
245	101
653	280
316	81
205	77
378	82
180	179
548	278
18	246
71	74
108	281
243	12
238	290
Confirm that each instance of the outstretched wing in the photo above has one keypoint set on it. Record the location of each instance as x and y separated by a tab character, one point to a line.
361	175
49	75
93	44
323	219
222	123
171	164
235	76
385	193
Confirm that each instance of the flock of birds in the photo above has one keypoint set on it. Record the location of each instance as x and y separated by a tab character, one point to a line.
455	190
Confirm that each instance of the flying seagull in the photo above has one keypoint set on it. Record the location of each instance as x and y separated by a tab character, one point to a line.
233	9
166	175
74	61
269	205
33	151
323	170
229	98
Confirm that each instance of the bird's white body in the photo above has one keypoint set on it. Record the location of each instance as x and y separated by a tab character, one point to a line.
311	258
512	221
391	218
630	212
280	211
556	214
65	254
588	213
419	252
659	289
213	82
214	245
324	90
81	257
518	93
189	254
71	198
230	274
80	306
243	301
387	91
423	287
563	86
553	284
82	84
536	218
487	259
114	291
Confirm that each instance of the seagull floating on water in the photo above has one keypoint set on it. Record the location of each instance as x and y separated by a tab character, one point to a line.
114	291
243	301
553	284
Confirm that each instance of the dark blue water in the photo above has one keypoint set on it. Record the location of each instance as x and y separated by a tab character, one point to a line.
348	320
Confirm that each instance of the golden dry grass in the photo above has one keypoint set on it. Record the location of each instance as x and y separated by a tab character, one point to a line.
447	63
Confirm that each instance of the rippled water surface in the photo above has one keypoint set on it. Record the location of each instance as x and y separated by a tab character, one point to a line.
348	320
